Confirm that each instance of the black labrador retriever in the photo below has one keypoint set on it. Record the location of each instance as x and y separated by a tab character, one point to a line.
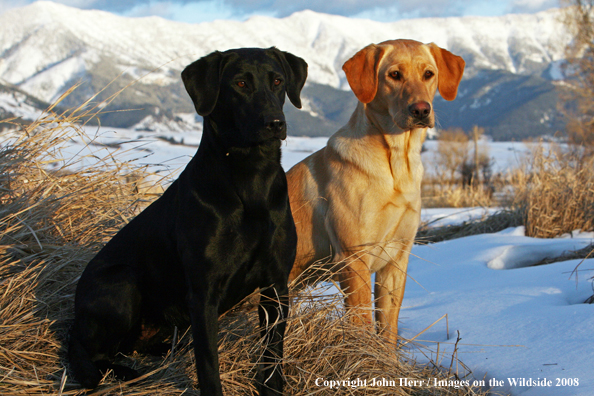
221	230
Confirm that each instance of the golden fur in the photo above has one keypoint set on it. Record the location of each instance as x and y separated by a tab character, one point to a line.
357	201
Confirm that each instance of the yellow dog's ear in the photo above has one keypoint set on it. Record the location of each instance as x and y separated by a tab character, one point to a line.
450	68
361	72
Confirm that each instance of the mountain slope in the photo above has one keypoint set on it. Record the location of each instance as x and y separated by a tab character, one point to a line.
45	48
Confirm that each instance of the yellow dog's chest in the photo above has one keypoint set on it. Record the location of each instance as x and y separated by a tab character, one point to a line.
395	227
397	213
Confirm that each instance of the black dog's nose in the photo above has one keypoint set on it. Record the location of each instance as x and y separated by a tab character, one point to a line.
278	128
276	125
420	110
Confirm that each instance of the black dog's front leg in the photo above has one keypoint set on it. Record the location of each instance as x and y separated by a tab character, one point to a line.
273	312
205	329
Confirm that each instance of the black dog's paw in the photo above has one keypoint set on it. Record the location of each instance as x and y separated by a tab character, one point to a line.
91	381
272	387
159	349
264	390
122	373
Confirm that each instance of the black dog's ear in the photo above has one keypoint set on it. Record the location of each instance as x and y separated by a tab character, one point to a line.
296	72
202	81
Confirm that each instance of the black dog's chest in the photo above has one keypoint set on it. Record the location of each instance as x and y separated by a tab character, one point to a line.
243	249
239	237
243	217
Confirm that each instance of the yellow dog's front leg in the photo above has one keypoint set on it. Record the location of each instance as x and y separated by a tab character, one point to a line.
355	282
390	282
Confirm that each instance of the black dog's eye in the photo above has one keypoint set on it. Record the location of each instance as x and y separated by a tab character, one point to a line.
429	74
241	84
277	81
396	75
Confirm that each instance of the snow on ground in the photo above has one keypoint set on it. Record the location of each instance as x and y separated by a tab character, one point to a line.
156	150
297	148
150	149
441	217
516	321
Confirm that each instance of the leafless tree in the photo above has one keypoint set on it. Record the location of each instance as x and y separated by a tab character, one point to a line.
452	152
578	103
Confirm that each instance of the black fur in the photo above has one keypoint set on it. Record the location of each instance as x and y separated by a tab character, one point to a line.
221	230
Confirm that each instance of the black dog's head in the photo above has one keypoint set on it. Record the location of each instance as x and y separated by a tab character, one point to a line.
241	92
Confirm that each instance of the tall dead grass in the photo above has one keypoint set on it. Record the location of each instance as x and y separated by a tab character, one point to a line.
438	195
555	193
55	215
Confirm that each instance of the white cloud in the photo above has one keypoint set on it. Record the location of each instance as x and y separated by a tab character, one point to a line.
530	6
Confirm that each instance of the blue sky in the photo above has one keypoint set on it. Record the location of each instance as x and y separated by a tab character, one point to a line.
195	11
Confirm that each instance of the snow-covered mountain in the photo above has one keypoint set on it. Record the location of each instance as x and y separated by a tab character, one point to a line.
46	47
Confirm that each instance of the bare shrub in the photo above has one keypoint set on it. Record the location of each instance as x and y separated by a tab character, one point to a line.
462	176
452	152
578	100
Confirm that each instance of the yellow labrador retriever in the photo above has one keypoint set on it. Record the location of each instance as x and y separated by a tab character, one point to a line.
357	201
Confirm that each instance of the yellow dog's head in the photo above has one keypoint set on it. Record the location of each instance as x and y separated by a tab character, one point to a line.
397	81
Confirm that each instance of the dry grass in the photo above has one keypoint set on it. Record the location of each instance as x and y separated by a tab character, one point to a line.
53	222
556	193
53	217
436	195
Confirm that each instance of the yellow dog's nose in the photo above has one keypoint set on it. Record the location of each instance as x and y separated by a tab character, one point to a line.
420	110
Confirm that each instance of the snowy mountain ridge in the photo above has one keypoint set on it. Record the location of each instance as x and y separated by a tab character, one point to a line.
49	38
46	47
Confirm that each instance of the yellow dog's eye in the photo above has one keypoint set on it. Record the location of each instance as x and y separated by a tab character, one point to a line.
429	74
396	75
